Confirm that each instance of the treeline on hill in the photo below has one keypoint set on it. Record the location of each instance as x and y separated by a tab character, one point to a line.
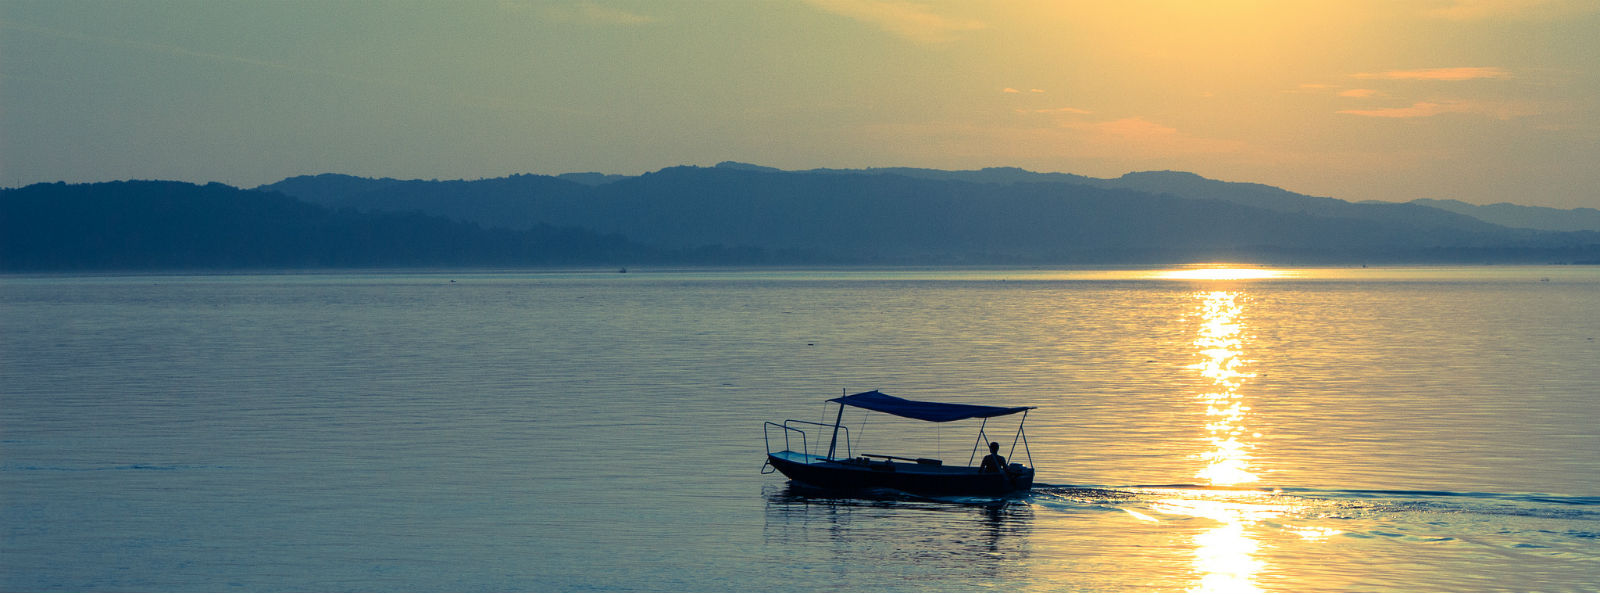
140	225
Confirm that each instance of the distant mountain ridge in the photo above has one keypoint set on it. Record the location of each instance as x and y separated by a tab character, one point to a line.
911	215
367	193
738	214
1512	215
155	225
1189	185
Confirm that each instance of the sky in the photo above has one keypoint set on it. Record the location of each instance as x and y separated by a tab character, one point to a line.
1482	101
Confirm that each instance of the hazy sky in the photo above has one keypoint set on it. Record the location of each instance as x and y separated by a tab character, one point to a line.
1478	100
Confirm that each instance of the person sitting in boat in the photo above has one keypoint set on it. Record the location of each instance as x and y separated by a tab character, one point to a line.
993	462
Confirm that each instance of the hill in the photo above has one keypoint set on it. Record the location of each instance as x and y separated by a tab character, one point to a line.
998	215
141	225
735	215
1188	185
1519	216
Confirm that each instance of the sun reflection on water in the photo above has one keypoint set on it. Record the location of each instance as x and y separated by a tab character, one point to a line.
1225	555
1221	343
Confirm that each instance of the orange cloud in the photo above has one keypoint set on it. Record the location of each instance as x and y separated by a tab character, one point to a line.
1439	74
1134	128
1057	110
1422	109
1358	93
1426	109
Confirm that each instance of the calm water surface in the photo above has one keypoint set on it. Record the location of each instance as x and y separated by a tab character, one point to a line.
1322	430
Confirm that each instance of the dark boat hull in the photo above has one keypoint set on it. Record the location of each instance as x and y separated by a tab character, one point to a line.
857	474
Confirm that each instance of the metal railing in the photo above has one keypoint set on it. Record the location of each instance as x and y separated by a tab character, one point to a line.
805	445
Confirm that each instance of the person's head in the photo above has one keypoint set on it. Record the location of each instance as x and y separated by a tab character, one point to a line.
994	447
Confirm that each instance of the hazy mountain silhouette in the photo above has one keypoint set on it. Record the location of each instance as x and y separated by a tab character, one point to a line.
1188	185
175	225
1511	215
496	202
737	214
910	215
340	191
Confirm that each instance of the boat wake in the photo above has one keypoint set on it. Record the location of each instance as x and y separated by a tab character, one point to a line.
1328	503
1178	502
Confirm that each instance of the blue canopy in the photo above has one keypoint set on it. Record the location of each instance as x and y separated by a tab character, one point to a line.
923	410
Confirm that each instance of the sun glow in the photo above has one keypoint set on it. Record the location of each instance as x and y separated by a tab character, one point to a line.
1220	274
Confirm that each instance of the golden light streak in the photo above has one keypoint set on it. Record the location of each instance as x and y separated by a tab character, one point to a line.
1224	555
1220	339
1141	516
1312	533
1220	274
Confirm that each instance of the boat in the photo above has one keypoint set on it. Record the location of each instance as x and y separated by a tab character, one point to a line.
839	468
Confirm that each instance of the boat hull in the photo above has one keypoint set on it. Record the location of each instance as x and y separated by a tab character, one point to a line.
915	478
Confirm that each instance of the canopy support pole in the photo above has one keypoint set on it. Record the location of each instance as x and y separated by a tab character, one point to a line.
1023	438
837	421
980	438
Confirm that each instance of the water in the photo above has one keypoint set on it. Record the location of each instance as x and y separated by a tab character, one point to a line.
1325	430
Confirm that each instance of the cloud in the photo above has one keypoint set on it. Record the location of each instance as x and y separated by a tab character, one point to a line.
1428	109
1134	128
1011	90
1358	93
1421	109
1439	74
910	21
1056	110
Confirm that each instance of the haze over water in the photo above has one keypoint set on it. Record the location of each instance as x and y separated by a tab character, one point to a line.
1287	430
